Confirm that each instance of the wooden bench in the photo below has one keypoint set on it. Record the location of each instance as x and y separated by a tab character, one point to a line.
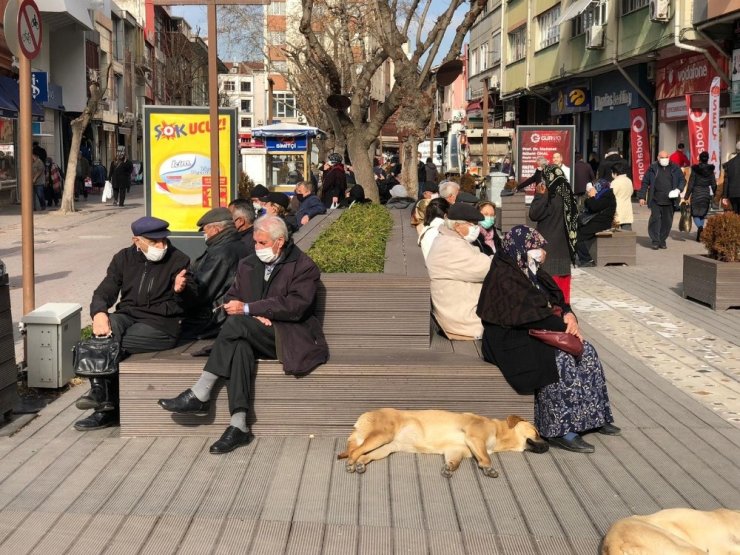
381	354
513	211
615	247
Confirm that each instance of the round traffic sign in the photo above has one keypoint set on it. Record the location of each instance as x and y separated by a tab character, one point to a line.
29	29
10	26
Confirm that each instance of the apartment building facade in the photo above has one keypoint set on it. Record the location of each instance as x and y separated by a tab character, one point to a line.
244	87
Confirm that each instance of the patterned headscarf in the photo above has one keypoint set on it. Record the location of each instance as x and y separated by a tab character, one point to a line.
557	184
518	241
602	186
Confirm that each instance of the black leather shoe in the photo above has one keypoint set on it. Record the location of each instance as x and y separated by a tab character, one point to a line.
231	439
655	247
95	399
186	403
663	246
576	445
587	264
609	430
97	420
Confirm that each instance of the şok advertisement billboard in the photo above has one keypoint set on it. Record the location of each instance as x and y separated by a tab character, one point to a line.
534	141
177	163
640	146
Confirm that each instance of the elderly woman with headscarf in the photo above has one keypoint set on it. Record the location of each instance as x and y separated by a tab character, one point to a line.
600	207
555	211
356	195
518	295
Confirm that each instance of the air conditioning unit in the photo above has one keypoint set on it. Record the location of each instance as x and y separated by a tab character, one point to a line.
301	119
493	82
660	10
595	37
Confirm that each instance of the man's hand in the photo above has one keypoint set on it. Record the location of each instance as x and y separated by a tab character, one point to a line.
541	189
591	192
572	325
234	307
265	321
642	202
101	324
334	200
305	219
180	281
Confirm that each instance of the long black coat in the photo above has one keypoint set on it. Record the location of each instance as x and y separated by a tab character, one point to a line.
334	184
120	174
547	210
732	178
604	208
288	300
605	168
509	306
700	188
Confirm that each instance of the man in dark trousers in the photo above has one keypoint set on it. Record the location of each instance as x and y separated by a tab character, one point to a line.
211	275
583	174
661	178
731	190
271	315
242	212
120	178
147	318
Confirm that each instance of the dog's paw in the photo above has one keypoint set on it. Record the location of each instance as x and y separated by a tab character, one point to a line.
360	468
447	471
489	472
349	467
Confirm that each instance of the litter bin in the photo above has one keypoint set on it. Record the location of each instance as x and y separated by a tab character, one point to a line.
8	369
495	183
52	330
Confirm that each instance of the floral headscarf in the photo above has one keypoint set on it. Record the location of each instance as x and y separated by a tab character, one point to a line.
602	186
518	241
557	184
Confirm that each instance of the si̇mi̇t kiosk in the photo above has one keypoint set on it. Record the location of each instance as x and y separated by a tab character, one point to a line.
288	155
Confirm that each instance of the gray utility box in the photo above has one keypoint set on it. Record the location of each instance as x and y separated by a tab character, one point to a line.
52	331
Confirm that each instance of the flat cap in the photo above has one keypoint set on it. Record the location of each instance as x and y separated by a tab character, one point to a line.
259	191
464	213
431	188
214	215
151	228
277	198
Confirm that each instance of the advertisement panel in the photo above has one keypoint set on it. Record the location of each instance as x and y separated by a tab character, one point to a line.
698	130
687	74
713	150
640	145
534	141
177	163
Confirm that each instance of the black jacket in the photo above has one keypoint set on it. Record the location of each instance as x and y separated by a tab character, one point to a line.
547	210
605	168
334	184
604	208
146	288
120	173
288	299
732	178
247	239
658	194
210	276
700	188
535	178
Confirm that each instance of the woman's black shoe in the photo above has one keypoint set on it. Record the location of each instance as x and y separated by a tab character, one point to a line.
97	420
186	403
232	438
577	445
609	430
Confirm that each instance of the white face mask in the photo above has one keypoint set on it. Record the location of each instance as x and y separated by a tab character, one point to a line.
257	207
663	161
266	255
154	254
473	232
435	195
534	259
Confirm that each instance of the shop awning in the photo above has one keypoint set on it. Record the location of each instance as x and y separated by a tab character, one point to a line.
474	106
576	8
286	130
10	101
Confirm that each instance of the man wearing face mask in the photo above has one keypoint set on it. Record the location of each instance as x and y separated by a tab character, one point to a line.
258	192
661	184
242	212
148	314
270	315
456	270
310	205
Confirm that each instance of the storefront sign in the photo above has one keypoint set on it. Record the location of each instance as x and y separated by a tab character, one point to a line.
613	96
735	98
610	100
640	145
545	140
686	74
672	110
570	100
698	130
178	164
714	126
40	86
287	144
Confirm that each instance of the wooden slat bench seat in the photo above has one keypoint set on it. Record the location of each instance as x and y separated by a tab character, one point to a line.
513	211
615	247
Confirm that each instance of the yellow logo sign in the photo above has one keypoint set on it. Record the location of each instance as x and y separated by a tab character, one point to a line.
577	97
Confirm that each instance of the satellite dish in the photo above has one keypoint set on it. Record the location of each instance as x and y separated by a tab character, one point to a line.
338	101
448	72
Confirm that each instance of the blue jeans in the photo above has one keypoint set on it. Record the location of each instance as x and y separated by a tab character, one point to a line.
699	222
38	191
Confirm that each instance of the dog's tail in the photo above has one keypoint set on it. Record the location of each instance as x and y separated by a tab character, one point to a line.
343	455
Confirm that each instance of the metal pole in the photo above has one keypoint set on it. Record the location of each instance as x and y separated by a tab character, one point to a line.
213	104
485	167
26	183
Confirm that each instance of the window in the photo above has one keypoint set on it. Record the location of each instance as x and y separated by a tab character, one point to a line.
245	122
632	5
229	86
276	38
496	49
518	44
246	106
279	66
276	8
549	30
283	105
594	15
483	57
245	86
474	62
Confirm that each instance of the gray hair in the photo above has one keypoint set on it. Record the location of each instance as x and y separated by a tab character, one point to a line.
450	224
224	224
448	188
243	209
541	159
274	226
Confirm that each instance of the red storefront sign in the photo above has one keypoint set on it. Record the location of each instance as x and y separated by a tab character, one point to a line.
698	130
686	74
640	145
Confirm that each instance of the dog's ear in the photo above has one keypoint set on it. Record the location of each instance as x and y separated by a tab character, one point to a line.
513	420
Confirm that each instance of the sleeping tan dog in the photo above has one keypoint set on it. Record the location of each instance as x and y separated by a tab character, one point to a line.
455	435
683	531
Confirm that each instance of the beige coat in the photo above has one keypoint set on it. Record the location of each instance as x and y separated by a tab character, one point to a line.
456	269
622	187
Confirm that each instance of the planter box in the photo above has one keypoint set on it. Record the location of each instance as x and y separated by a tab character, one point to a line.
711	281
615	247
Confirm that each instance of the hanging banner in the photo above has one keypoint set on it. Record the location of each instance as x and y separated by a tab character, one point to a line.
177	163
640	146
698	130
714	155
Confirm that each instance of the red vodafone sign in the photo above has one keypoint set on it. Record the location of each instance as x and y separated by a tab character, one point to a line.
29	29
639	145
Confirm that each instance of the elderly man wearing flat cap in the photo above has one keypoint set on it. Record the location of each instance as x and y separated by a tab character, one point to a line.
211	275
147	318
457	269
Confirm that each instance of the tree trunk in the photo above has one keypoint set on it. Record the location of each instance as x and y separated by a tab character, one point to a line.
68	202
409	175
363	165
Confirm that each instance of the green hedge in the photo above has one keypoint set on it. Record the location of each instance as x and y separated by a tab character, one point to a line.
355	243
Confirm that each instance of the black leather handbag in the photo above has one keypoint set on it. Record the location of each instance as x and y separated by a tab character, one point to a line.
97	356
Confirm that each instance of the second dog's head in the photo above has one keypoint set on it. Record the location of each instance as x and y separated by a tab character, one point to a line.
524	436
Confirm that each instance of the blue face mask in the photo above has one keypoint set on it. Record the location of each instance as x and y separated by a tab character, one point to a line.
487	222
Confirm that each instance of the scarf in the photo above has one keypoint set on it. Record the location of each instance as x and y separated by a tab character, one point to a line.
558	185
602	186
517	242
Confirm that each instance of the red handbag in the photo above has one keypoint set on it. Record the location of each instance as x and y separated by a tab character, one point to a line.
560	340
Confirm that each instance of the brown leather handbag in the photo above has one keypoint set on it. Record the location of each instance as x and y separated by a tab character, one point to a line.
560	340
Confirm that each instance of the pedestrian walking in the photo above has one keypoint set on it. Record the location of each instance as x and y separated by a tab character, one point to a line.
657	192
82	173
700	190
38	174
731	193
120	178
